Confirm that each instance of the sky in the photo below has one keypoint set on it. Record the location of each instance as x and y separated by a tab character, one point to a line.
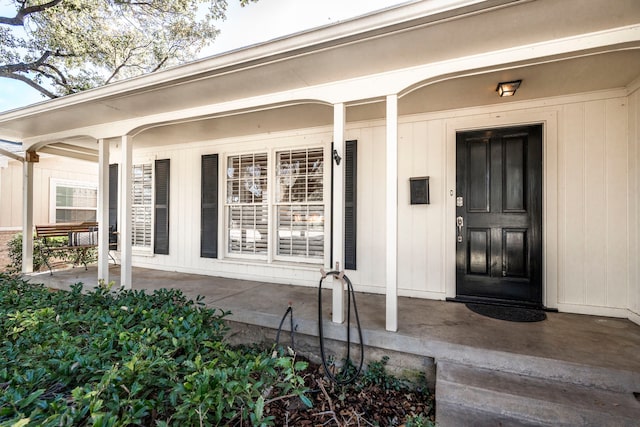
244	26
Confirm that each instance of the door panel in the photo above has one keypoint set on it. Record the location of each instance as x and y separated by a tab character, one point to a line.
499	249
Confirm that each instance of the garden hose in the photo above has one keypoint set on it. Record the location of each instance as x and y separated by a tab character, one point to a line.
288	312
342	378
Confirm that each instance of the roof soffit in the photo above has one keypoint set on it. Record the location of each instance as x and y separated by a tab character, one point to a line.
382	50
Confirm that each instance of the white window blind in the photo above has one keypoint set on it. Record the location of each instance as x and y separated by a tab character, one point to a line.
142	206
247	204
300	207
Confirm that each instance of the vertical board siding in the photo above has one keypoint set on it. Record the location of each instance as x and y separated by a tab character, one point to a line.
634	202
420	227
596	205
48	168
572	204
617	227
593	209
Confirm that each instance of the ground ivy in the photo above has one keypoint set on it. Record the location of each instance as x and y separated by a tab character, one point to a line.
115	358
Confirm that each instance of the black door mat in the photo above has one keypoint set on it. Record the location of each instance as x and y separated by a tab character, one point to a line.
509	313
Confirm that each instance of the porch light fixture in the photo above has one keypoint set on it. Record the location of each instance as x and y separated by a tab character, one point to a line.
508	88
336	157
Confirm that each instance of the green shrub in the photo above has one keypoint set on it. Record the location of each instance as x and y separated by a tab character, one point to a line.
15	254
41	257
107	358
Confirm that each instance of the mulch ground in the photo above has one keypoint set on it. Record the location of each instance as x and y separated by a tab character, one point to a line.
352	405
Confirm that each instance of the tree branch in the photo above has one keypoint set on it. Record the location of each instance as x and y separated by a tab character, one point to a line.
31	83
18	20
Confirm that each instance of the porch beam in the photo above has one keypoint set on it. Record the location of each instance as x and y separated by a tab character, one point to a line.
71	154
337	214
11	155
125	213
103	210
27	217
392	214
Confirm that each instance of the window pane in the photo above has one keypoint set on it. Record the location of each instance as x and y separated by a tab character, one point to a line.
70	198
141	209
248	229
300	182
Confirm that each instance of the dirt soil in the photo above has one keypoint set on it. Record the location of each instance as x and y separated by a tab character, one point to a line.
351	405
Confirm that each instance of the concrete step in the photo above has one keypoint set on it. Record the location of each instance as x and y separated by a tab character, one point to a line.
470	396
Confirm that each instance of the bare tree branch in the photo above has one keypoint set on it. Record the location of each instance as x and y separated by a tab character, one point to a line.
30	82
18	20
160	64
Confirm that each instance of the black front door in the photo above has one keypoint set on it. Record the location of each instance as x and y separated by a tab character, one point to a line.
499	215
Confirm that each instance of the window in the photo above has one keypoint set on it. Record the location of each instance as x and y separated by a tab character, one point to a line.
247	204
299	200
142	206
298	208
74	201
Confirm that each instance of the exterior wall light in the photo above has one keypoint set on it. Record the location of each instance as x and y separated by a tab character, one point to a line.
508	88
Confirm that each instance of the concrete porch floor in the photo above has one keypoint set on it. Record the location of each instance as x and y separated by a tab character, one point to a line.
589	348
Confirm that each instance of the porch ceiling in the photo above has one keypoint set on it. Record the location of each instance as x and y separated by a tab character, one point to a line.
404	37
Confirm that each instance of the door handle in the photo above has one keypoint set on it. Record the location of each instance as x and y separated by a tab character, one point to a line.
459	225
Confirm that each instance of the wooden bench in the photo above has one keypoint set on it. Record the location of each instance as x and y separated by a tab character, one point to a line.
79	237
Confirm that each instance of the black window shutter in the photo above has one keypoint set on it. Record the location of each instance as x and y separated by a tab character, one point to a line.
113	205
209	214
350	208
161	231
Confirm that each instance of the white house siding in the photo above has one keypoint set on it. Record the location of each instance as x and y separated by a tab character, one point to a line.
590	222
634	204
184	223
593	205
49	167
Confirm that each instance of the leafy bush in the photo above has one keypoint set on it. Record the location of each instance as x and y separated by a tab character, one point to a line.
107	358
15	254
41	256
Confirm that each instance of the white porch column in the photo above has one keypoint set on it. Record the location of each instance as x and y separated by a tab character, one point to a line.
337	217
125	219
103	210
392	213
27	215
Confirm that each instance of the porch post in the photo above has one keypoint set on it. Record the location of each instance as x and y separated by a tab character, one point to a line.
392	214
103	210
337	216
125	220
27	215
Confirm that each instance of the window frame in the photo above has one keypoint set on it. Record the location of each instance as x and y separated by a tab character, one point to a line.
54	183
271	255
144	250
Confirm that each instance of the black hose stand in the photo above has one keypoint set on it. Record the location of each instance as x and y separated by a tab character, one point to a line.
342	378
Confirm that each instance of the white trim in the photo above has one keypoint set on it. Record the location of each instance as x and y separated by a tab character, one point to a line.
391	179
336	210
594	310
27	217
54	183
634	317
2	229
303	43
102	214
125	222
374	86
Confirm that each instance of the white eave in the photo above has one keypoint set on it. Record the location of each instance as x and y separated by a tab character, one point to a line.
305	42
418	34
